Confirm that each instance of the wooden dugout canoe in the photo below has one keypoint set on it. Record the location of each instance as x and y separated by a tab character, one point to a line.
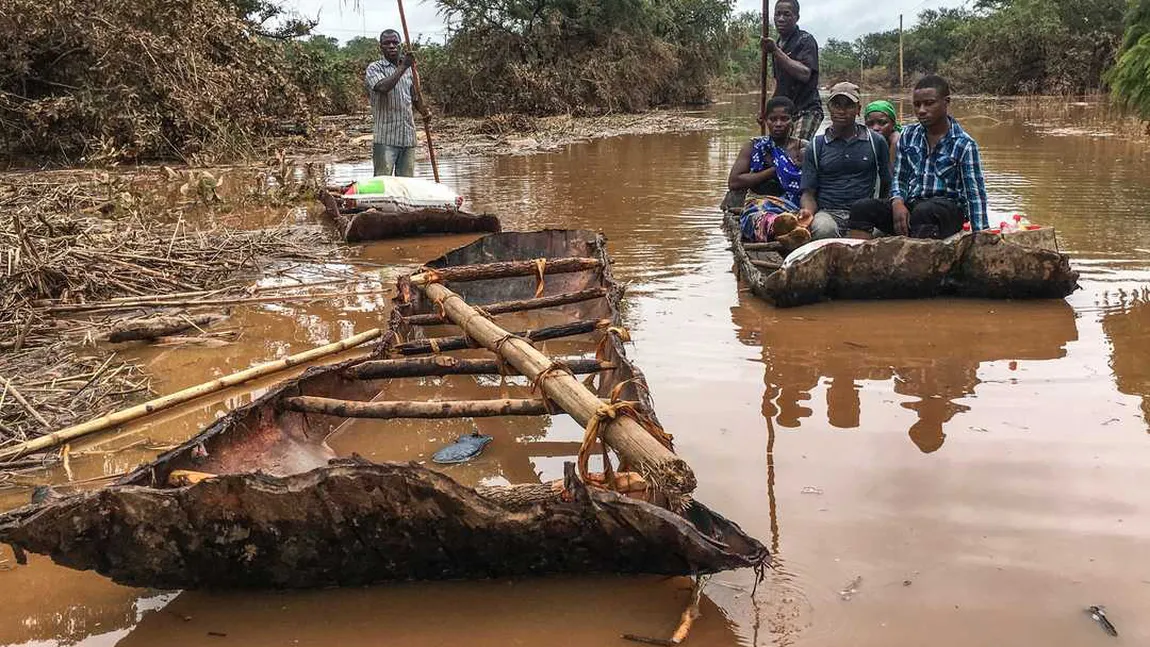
283	511
1020	265
359	224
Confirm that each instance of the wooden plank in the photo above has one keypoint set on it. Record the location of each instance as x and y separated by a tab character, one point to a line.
421	410
505	269
623	434
517	306
459	342
440	365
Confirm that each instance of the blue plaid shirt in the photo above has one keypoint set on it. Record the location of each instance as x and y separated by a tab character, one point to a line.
952	170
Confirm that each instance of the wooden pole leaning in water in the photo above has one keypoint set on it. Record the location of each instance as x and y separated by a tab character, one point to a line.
623	434
111	420
419	93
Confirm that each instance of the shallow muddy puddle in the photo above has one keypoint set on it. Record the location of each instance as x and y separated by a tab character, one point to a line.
945	472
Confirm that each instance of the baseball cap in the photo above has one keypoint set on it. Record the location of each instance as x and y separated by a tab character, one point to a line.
845	89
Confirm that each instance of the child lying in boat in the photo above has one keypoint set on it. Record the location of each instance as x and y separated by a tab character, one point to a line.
768	169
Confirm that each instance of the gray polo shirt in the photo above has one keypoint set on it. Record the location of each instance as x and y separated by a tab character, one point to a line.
843	171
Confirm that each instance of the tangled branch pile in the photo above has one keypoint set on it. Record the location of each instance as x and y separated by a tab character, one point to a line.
65	242
102	80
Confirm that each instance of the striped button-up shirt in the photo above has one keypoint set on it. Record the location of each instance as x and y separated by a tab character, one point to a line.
952	170
394	121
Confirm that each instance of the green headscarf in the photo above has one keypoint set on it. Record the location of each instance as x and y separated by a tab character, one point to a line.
882	105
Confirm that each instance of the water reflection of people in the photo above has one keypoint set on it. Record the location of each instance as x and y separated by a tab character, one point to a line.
934	372
1128	329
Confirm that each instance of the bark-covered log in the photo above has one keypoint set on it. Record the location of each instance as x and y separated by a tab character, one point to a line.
155	327
518	306
419	410
459	342
441	365
505	269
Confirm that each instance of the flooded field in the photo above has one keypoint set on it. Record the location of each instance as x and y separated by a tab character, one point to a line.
940	472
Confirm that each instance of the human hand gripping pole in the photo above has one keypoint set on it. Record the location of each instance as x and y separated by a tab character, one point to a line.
418	92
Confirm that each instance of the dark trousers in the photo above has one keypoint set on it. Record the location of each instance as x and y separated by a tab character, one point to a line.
933	218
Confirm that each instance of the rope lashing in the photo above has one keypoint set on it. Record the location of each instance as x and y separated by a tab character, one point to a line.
622	333
537	384
540	271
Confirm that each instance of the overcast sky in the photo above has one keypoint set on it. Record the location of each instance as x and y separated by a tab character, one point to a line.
842	19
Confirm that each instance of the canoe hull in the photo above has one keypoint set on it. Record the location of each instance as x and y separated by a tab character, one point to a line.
352	525
374	224
1026	265
283	511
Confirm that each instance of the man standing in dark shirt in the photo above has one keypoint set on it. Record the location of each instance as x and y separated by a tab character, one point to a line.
796	67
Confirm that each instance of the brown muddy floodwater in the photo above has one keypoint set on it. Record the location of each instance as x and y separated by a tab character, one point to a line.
944	472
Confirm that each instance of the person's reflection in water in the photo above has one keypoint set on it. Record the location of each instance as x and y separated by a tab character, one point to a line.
938	387
843	405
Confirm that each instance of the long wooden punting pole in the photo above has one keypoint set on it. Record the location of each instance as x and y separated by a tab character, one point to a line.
109	421
763	67
422	410
623	434
441	365
419	93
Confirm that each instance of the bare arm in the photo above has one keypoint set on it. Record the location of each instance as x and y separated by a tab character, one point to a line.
378	82
808	203
791	67
741	176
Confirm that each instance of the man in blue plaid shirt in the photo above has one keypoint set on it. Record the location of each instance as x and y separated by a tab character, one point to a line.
938	184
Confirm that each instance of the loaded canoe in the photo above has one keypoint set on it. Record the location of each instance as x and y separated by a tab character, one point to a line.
260	500
364	223
1018	265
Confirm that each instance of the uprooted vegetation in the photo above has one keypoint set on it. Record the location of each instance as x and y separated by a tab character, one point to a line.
87	254
90	81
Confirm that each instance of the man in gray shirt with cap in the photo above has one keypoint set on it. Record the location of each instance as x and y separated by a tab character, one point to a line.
845	164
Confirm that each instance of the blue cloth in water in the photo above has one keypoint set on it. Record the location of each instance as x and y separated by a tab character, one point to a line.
462	450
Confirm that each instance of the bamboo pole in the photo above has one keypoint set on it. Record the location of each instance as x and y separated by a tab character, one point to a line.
422	410
96	307
419	93
440	365
517	306
459	342
159	404
506	269
625	435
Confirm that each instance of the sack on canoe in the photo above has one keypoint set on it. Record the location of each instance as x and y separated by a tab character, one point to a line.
392	194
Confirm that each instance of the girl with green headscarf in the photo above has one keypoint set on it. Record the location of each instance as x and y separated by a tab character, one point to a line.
882	118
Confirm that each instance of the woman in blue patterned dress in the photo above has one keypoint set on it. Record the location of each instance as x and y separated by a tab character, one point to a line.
768	169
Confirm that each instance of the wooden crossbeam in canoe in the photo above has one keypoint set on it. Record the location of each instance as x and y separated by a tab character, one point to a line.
506	269
441	365
459	342
626	436
517	306
419	410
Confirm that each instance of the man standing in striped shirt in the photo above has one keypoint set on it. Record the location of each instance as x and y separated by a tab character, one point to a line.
938	183
389	84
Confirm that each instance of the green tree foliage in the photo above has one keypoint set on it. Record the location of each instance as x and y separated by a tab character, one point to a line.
578	56
1130	77
839	61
